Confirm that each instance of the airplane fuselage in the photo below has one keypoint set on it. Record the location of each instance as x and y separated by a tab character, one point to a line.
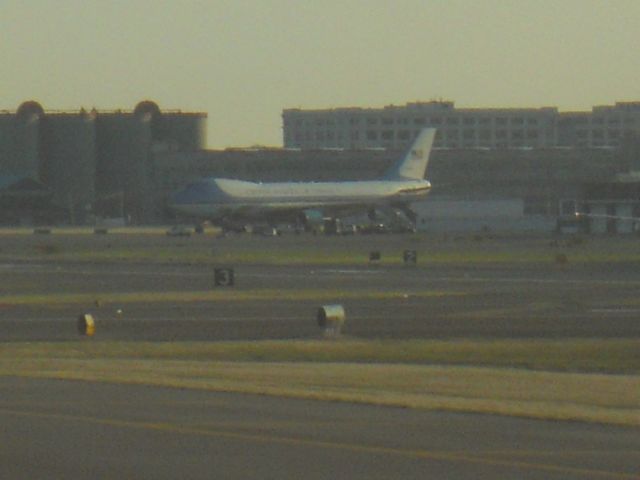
220	198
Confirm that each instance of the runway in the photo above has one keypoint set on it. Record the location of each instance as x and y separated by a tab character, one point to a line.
62	429
381	301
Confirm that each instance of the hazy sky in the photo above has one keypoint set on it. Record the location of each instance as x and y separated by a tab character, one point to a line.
244	61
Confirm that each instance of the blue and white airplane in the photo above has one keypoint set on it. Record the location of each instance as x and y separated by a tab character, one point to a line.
223	201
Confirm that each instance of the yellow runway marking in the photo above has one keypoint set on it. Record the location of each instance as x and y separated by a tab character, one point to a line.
262	438
563	453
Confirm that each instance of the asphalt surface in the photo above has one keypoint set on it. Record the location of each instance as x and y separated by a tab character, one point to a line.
61	429
427	302
58	429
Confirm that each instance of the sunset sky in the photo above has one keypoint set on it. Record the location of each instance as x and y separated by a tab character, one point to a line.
242	62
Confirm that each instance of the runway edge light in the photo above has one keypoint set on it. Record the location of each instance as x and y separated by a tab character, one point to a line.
86	325
331	319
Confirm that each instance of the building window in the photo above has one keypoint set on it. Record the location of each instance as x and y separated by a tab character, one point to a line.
372	135
501	121
468	121
387	121
452	121
387	135
485	134
536	206
404	135
372	121
419	121
436	121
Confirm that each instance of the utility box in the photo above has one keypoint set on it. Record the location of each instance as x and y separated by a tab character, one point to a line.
331	319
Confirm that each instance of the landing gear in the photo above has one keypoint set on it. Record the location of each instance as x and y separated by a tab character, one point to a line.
399	219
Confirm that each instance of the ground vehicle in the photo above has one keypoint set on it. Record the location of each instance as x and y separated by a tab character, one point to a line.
179	231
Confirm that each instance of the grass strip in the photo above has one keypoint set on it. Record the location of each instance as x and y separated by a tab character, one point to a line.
614	356
430	251
313	256
558	396
594	380
211	295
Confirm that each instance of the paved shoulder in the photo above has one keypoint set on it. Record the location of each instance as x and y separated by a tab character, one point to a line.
62	429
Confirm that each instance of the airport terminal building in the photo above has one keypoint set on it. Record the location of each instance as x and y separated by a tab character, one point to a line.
393	127
497	169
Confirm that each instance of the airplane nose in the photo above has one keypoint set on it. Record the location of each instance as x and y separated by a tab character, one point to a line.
180	198
196	193
187	196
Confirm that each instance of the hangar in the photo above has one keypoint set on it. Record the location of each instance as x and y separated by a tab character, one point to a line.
24	200
85	156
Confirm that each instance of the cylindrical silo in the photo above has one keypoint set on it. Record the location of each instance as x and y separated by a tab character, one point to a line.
186	131
68	146
124	165
7	130
20	141
175	130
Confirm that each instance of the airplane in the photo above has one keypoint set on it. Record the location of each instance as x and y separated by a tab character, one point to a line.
222	200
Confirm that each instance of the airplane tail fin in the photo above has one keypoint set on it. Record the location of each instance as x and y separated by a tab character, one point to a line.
414	164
